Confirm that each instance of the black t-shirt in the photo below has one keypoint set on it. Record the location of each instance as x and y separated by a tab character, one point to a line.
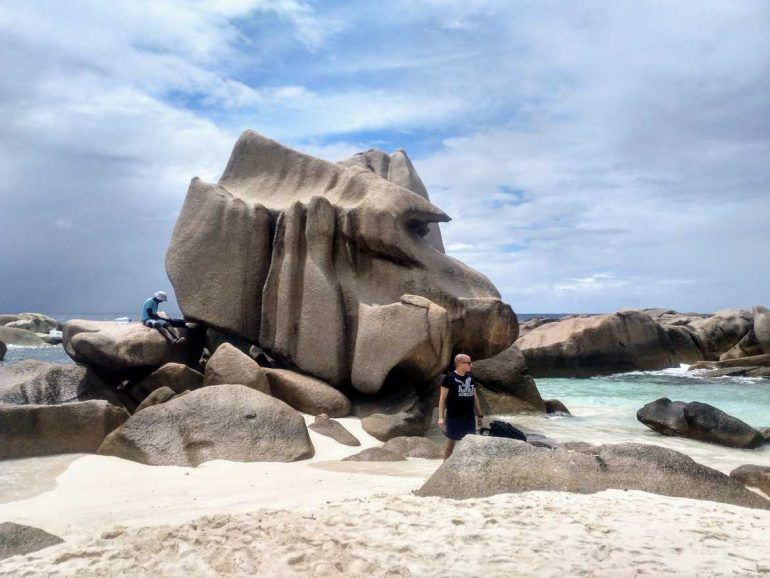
459	402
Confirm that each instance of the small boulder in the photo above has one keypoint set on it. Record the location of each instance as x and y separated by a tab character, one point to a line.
763	372
39	430
375	455
748	346
729	372
14	336
328	427
229	364
400	414
307	394
414	447
127	349
41	383
156	397
175	376
754	476
700	421
16	539
485	466
505	386
219	422
555	407
765	433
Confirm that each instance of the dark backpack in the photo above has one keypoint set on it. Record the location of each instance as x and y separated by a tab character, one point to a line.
501	429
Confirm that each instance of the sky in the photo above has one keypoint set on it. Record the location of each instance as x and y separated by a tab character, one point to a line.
592	155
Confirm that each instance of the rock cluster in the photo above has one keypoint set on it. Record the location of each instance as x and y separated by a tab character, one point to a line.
27	329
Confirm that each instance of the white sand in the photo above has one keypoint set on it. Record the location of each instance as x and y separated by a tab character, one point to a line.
323	517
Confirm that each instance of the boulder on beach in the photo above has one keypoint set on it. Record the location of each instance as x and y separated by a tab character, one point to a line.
228	364
753	476
42	383
505	386
328	427
17	539
597	345
293	252
174	376
15	336
127	349
40	430
414	447
218	422
484	466
700	421
394	415
375	455
307	394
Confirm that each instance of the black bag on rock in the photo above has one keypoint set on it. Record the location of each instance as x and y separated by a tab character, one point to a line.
501	429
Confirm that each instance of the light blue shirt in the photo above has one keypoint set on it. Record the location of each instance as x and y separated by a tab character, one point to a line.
152	305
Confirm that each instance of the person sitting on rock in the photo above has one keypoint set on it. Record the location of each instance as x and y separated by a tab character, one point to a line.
458	400
150	318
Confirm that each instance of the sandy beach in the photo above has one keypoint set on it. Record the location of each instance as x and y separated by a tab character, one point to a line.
325	517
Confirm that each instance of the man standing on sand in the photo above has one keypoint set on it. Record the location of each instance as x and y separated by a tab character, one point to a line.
459	402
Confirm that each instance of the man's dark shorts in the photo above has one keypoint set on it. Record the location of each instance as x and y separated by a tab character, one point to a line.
457	429
156	323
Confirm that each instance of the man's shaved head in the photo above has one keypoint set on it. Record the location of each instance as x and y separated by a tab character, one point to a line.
460	358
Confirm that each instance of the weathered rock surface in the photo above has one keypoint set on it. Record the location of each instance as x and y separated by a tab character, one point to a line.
754	476
35	322
765	433
39	430
156	397
375	455
328	427
126	348
753	361
287	249
762	327
534	323
414	447
505	386
398	169
230	365
554	406
748	346
41	383
394	415
174	376
307	394
720	332
226	422
698	421
597	345
511	466
14	336
16	539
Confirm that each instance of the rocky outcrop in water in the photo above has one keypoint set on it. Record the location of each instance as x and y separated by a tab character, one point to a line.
698	421
484	466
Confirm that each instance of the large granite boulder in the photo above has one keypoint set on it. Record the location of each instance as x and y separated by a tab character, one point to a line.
219	422
585	346
127	349
307	394
748	346
16	539
762	327
39	430
414	447
505	386
175	376
394	415
230	365
484	466
35	322
42	383
300	256
754	476
720	332
328	427
15	336
700	421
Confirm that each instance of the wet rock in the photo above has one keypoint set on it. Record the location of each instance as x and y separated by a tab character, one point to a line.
39	430
375	455
16	539
328	427
307	394
554	406
510	466
230	365
754	476
225	422
414	447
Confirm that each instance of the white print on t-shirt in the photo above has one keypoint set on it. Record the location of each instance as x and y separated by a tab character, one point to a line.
465	389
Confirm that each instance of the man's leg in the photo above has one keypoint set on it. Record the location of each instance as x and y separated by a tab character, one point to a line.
450	446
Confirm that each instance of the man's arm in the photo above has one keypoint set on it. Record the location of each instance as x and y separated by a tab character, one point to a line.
442	405
477	407
151	314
